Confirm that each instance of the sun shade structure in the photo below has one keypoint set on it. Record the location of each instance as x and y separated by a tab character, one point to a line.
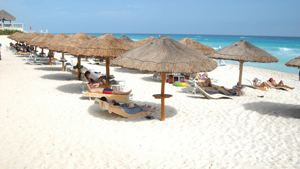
5	16
126	39
243	51
40	41
29	36
142	42
106	46
294	62
204	49
14	35
54	41
165	55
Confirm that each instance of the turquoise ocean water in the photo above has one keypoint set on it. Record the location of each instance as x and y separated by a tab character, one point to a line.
283	48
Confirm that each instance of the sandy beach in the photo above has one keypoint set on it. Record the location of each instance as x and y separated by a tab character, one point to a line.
46	122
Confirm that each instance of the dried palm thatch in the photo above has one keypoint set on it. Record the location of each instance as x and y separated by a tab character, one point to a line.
12	37
204	49
142	42
36	38
165	55
70	44
92	36
244	51
41	40
105	46
29	36
294	62
6	16
56	39
126	39
19	37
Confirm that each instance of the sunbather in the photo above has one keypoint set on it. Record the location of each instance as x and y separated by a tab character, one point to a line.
206	83
202	77
92	81
93	89
280	84
256	84
130	108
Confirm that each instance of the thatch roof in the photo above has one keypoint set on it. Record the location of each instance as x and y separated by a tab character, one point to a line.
69	44
244	51
294	62
6	16
27	37
103	46
92	36
204	49
41	40
142	41
12	36
54	41
126	39
20	37
165	55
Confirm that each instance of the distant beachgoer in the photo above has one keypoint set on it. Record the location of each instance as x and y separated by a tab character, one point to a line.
257	84
91	88
280	84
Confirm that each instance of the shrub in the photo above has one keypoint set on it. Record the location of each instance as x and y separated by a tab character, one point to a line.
9	32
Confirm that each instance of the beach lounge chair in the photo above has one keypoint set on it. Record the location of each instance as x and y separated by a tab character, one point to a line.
91	61
32	62
277	87
119	98
259	88
212	96
111	109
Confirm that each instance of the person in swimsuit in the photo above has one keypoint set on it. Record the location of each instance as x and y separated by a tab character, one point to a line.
94	82
280	84
257	84
93	89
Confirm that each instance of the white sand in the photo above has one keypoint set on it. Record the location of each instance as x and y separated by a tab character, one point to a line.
46	123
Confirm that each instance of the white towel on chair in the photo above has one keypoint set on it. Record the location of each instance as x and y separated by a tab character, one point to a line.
106	106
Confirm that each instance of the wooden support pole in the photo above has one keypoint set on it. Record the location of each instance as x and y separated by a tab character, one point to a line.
163	80
63	63
107	61
79	70
42	52
50	61
240	77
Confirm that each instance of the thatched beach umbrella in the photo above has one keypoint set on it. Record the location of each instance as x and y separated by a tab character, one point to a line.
14	36
243	51
68	45
294	62
204	49
142	41
126	39
40	41
31	42
49	44
106	46
165	55
29	36
5	16
92	36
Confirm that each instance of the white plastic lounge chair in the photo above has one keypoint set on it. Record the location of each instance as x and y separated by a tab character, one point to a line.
212	96
277	87
112	109
32	62
259	88
91	61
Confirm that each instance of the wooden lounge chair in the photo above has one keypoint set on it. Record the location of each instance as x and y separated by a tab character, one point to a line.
112	109
212	96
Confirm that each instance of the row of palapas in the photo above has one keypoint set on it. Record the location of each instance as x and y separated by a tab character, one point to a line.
163	55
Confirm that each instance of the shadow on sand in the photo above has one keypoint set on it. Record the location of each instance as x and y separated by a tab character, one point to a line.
274	109
96	111
59	76
70	88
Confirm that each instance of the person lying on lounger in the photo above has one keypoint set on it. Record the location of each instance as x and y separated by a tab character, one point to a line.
206	83
280	84
94	82
202	77
93	89
256	84
129	108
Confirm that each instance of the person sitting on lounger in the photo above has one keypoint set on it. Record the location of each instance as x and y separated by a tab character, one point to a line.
206	83
129	108
256	84
202	77
93	89
280	84
94	82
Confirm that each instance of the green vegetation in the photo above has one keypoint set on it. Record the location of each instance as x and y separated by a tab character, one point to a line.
8	32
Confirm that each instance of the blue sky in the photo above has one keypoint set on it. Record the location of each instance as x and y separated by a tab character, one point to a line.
214	17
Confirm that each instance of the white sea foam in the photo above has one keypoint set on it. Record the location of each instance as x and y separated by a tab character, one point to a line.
284	49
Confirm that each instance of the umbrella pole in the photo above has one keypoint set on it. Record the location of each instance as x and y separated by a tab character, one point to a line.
163	80
42	52
240	78
78	68
63	63
107	73
50	61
